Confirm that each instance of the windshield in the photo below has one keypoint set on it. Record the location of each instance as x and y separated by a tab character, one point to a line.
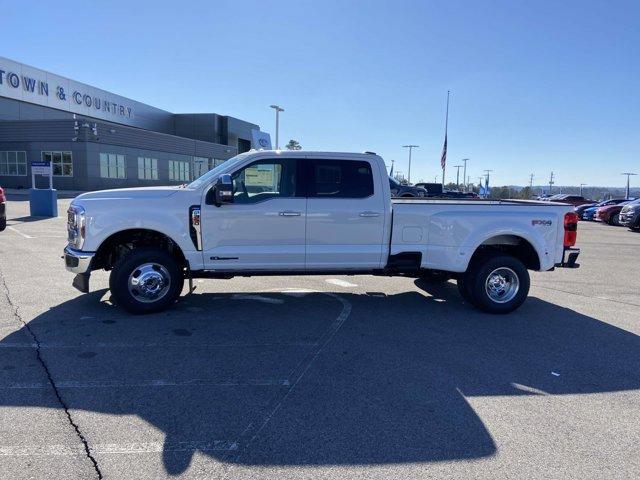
216	171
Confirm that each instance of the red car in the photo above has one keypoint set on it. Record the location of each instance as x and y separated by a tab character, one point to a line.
609	214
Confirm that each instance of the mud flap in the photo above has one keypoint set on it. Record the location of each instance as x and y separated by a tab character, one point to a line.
81	282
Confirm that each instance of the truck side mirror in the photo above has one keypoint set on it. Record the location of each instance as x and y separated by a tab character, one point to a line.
223	190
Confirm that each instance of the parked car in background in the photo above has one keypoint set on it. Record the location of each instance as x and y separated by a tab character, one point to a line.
581	209
589	213
400	190
553	198
610	214
3	210
630	215
574	200
434	190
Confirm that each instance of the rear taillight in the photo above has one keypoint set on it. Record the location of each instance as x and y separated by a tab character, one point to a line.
570	229
2	197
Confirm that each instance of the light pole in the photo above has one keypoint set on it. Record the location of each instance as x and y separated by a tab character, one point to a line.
410	147
458	176
628	174
582	185
464	175
278	109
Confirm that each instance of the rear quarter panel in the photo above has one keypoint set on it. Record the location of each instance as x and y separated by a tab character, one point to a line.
447	234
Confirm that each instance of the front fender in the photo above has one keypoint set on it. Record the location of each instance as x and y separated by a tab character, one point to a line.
170	219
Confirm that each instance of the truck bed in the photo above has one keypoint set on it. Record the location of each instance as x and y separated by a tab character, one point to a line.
447	232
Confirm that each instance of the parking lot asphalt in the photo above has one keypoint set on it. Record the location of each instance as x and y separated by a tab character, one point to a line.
318	377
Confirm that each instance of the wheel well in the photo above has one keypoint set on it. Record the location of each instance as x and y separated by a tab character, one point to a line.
512	245
407	195
120	243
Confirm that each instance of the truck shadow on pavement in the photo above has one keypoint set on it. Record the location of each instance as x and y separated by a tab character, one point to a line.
289	379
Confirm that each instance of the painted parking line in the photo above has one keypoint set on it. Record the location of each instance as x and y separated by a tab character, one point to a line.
117	448
340	283
247	437
155	383
23	235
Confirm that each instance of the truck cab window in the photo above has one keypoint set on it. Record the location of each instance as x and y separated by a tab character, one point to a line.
340	179
263	180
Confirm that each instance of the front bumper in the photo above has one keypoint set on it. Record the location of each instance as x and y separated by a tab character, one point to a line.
629	219
569	258
77	261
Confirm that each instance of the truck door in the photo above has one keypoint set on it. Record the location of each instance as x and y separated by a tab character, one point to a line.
345	216
264	227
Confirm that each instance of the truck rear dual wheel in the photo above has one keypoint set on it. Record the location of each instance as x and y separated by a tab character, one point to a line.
146	280
495	283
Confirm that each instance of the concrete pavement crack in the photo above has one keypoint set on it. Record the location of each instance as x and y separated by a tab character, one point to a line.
61	401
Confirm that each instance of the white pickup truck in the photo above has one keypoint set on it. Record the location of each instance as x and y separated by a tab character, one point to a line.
302	213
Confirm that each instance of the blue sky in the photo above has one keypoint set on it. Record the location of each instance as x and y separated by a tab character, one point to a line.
536	85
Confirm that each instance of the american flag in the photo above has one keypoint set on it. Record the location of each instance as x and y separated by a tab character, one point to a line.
443	157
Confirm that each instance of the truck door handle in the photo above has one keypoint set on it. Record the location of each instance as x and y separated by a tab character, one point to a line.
289	213
369	214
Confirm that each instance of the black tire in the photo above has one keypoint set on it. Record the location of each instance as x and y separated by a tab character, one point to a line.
156	263
614	220
478	278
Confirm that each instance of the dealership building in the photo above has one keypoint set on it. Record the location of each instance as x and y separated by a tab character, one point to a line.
95	139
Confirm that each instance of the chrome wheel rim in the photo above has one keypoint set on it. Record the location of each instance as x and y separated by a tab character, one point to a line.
502	285
149	282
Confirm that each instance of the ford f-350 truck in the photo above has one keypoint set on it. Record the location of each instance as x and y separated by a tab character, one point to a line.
305	213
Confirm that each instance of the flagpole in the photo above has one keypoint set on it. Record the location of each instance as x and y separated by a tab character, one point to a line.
446	126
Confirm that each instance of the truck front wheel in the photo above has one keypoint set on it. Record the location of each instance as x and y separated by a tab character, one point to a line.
146	280
497	283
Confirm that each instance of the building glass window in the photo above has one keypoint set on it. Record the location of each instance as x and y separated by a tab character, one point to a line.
13	163
200	166
112	165
147	168
61	163
179	170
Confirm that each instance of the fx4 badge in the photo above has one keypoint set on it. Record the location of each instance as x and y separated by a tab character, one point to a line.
546	223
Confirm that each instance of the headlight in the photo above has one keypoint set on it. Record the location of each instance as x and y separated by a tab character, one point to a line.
76	226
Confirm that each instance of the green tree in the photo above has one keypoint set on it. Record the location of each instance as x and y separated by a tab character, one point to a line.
293	145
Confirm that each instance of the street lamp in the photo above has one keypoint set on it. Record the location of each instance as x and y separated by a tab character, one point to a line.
582	185
628	174
458	176
464	176
278	110
410	147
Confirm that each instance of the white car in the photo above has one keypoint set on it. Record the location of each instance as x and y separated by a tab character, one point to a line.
297	213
